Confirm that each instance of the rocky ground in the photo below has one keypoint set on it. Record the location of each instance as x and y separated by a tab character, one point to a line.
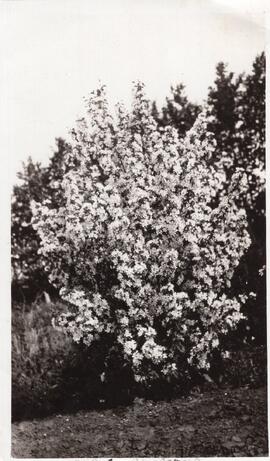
218	423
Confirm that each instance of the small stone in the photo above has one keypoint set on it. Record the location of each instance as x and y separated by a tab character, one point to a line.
236	438
186	428
120	444
141	445
228	445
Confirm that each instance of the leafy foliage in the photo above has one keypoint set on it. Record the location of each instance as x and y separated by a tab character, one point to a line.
237	109
178	112
36	183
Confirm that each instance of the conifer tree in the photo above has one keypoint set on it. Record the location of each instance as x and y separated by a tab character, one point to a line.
178	112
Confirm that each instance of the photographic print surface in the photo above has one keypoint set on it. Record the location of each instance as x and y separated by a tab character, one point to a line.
138	247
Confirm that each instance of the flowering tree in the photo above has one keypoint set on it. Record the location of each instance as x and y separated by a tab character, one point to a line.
142	250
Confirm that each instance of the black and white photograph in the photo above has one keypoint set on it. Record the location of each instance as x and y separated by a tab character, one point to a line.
135	145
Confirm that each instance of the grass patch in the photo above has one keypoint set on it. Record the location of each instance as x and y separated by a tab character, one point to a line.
39	355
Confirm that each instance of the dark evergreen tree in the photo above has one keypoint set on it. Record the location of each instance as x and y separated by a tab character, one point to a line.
178	111
250	155
237	119
221	101
250	134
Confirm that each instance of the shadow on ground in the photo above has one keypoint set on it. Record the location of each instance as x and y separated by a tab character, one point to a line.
230	422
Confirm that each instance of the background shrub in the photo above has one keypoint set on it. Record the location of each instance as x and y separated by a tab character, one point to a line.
35	183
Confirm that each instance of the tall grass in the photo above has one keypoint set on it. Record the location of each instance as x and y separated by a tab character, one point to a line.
39	355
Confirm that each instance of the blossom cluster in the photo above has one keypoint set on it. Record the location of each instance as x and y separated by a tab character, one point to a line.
145	246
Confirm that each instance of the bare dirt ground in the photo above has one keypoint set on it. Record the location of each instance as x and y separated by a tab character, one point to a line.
230	422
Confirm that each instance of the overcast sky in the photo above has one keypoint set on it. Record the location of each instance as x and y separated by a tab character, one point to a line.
55	52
